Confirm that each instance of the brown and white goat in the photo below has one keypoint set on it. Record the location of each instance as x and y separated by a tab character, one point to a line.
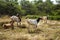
8	25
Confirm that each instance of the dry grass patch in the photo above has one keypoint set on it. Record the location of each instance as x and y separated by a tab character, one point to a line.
42	32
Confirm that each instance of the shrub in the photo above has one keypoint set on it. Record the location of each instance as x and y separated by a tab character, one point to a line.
32	16
54	17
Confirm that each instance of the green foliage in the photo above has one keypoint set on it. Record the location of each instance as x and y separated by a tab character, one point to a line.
9	8
54	17
32	16
12	7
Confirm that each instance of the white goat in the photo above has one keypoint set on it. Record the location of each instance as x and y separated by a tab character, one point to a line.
33	21
15	19
45	19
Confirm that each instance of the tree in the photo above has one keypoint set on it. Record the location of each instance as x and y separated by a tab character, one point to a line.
57	1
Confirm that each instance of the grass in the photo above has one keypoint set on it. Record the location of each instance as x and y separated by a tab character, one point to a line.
44	32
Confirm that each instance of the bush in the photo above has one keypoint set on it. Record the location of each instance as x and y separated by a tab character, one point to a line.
54	17
32	16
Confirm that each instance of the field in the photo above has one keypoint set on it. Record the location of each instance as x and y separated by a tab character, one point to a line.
42	32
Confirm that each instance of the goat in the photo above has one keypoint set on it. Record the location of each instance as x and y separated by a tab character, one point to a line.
15	19
8	25
45	19
34	21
